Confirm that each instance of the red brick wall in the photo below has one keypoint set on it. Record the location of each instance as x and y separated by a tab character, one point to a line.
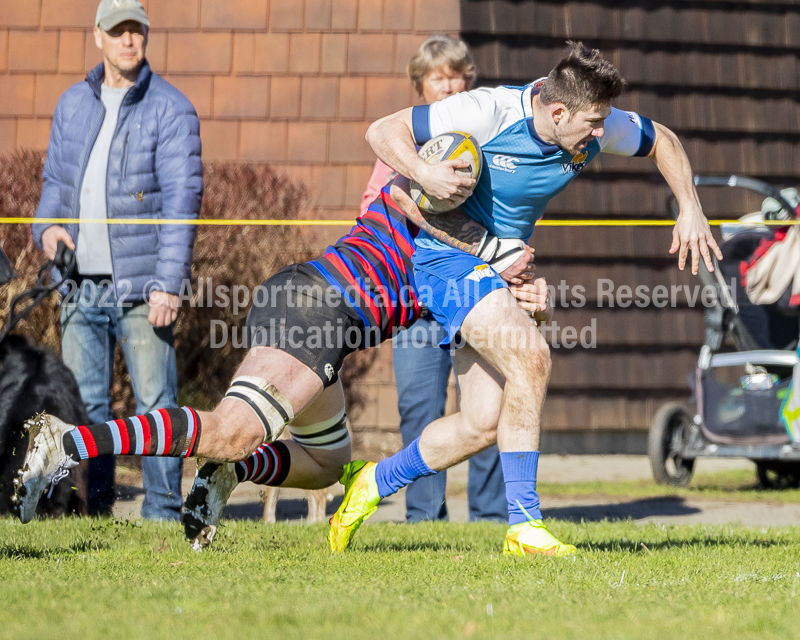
293	83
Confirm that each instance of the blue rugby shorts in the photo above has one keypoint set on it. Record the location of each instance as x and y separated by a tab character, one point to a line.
450	283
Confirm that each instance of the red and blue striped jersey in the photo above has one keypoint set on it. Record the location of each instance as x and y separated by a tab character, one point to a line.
371	267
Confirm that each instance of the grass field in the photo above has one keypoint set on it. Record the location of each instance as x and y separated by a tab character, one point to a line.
108	579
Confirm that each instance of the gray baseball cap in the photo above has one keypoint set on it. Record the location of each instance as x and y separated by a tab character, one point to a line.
111	12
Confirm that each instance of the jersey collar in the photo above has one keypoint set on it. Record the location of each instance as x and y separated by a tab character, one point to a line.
528	92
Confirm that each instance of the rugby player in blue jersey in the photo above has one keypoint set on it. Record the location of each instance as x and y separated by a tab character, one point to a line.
535	140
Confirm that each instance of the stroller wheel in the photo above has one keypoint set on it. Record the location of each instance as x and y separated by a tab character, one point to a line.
778	475
668	435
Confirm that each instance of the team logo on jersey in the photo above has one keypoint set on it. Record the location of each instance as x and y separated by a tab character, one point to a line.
480	272
505	163
575	165
329	371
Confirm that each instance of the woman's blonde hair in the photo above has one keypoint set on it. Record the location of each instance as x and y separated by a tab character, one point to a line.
438	51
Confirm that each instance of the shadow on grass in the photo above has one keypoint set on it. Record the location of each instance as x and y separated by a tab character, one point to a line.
627	546
635	546
22	552
27	552
286	510
421	545
635	509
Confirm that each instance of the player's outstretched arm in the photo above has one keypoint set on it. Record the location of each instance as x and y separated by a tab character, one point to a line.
456	229
692	231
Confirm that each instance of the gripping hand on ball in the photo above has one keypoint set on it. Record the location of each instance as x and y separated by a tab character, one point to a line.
444	182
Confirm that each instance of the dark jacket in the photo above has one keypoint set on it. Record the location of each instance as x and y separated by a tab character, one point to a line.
154	171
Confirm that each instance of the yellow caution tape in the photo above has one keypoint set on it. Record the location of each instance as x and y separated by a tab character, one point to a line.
348	223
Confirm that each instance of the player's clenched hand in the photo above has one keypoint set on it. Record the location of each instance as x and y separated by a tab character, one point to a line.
522	270
534	298
443	182
692	232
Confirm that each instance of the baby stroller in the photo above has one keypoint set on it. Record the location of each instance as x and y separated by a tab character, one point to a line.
737	397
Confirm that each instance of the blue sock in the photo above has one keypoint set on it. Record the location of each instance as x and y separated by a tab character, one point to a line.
401	469
519	472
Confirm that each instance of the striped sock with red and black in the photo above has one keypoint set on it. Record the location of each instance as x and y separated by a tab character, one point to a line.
165	432
268	465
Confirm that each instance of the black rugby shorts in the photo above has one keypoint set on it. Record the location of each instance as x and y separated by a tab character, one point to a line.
297	311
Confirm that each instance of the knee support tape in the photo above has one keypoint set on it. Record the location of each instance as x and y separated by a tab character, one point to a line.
272	409
330	434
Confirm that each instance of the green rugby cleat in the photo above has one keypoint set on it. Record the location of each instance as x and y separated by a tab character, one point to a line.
532	538
360	501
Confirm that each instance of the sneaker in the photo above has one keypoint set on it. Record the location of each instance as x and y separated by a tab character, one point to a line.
213	484
532	538
46	463
360	501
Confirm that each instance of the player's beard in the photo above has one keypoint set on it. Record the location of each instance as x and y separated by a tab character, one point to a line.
559	139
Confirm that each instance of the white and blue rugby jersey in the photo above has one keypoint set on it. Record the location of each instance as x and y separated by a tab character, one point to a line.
521	172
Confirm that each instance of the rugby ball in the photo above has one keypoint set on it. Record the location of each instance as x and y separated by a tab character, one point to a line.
448	146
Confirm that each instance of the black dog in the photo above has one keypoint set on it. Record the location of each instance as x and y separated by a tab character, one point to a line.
34	380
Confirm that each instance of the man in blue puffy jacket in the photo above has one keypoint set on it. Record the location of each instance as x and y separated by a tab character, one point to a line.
124	144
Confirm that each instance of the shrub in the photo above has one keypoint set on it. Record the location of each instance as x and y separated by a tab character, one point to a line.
20	188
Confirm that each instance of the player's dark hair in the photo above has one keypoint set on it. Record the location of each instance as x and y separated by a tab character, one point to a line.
582	80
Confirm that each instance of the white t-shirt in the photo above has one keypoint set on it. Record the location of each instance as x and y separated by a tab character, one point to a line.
93	247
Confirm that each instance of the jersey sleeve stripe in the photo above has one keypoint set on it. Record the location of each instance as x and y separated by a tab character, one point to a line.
648	138
421	124
396	237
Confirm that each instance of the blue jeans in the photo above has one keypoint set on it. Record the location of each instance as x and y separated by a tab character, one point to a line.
91	323
421	370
